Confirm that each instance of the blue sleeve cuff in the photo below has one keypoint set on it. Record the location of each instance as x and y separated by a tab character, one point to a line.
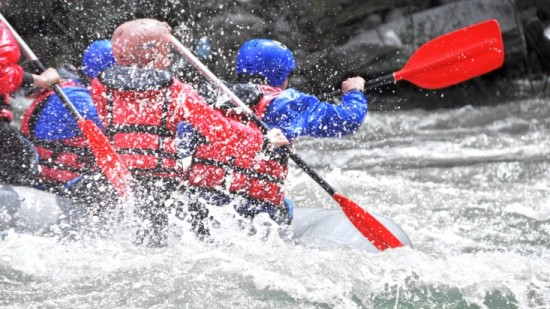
356	94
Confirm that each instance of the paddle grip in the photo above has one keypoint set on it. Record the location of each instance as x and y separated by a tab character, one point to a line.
370	84
38	66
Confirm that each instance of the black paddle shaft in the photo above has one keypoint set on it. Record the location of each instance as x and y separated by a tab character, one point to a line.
297	159
57	89
370	84
239	103
312	173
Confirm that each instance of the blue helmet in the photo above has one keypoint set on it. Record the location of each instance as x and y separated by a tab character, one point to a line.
268	58
97	57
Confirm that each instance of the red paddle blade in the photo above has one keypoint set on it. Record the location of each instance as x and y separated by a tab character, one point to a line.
455	57
371	228
106	157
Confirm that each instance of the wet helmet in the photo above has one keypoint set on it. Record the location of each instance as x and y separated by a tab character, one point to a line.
143	43
268	58
97	57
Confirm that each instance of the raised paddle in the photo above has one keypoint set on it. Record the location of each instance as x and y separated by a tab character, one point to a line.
367	224
105	155
450	59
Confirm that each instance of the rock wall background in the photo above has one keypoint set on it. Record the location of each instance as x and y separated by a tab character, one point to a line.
331	39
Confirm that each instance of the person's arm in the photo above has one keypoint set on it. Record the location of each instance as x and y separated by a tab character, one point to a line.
300	114
274	139
189	139
46	79
235	137
353	84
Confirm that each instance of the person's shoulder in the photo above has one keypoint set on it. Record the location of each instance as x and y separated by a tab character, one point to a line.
135	79
249	93
291	93
297	97
292	100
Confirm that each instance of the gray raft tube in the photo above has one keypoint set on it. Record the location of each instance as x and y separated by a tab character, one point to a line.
331	228
28	209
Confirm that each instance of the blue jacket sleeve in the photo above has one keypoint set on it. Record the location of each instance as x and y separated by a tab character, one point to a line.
55	122
300	114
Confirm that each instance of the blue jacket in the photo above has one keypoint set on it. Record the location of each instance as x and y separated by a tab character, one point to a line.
299	114
54	122
63	153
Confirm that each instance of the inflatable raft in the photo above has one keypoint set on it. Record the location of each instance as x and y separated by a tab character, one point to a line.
27	209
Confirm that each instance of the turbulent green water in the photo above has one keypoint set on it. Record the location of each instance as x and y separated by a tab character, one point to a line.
470	186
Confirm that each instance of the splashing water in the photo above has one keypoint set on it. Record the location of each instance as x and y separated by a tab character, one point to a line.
470	186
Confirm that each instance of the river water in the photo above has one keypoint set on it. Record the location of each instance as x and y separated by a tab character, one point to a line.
470	186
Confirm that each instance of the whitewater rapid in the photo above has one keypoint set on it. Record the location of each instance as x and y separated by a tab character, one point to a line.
470	186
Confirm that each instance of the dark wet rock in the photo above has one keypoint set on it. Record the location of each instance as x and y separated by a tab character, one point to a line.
539	45
398	39
387	48
331	39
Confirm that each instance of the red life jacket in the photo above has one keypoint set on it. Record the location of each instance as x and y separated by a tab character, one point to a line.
261	178
11	74
135	120
60	160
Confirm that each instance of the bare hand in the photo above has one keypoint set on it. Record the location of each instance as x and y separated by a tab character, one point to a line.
46	79
357	83
276	138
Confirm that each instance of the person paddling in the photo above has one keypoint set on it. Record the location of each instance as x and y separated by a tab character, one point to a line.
64	152
17	156
263	68
140	106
